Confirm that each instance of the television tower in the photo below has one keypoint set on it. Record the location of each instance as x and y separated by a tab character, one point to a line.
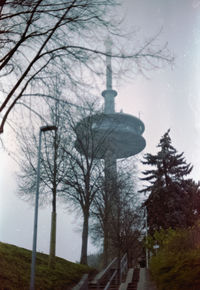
110	135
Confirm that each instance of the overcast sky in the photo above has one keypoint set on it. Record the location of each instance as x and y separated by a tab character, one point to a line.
169	98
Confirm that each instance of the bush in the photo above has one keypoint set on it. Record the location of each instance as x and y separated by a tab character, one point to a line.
177	263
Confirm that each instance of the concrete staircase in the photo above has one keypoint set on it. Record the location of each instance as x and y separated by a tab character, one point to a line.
134	281
104	284
111	278
129	283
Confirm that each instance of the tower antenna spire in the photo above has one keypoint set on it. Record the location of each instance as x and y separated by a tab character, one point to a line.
109	94
108	45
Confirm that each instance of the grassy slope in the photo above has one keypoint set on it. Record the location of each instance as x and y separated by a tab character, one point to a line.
15	265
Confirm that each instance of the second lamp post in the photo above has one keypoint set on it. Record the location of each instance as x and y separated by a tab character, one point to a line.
42	129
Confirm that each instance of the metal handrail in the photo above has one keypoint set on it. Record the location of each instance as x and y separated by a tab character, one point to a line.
123	269
83	283
123	265
124	258
100	276
110	280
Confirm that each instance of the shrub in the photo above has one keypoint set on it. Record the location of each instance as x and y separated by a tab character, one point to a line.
177	263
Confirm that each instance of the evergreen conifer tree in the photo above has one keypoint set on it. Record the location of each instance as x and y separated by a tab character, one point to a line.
173	199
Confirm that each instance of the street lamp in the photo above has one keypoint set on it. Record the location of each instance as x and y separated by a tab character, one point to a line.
146	234
42	129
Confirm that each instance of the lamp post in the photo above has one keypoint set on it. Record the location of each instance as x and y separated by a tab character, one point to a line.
42	129
146	234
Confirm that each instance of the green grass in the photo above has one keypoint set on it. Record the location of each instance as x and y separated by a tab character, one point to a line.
15	265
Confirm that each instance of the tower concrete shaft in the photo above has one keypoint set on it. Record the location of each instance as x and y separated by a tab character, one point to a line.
109	108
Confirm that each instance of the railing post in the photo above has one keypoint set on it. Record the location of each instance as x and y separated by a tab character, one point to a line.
120	281
123	266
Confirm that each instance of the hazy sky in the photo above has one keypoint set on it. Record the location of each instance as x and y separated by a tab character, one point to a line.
169	98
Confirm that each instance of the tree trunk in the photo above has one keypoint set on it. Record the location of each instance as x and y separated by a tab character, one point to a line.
105	245
52	251
83	259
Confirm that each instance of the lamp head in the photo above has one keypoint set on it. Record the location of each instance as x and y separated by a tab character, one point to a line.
48	128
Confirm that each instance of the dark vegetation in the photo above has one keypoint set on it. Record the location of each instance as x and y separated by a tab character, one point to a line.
173	208
15	270
174	198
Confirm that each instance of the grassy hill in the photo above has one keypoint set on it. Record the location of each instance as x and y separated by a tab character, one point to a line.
15	265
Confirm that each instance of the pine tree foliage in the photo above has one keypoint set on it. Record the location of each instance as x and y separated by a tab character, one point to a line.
173	199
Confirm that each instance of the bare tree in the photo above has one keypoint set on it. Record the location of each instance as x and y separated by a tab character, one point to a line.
85	169
70	164
53	165
101	216
126	223
126	231
115	218
42	38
